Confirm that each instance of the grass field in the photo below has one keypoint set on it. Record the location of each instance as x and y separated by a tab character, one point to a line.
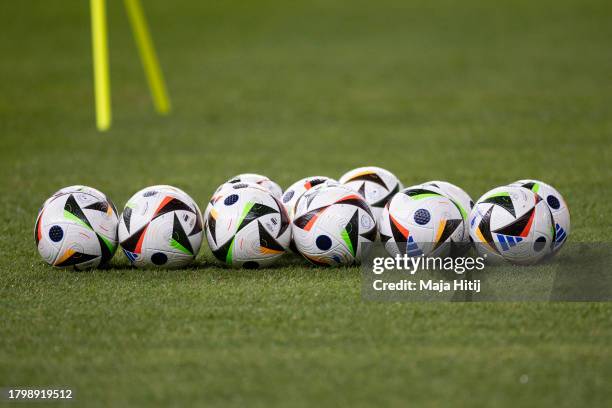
475	92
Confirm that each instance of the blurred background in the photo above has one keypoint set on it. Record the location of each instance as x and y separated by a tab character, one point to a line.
429	89
475	92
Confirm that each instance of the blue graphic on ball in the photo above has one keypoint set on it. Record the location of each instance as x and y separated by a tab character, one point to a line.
422	216
323	242
56	233
230	200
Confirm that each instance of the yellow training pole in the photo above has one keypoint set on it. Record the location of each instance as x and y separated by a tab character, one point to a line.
148	56
100	64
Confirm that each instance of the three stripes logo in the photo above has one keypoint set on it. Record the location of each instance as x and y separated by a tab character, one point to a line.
130	255
412	249
508	241
560	235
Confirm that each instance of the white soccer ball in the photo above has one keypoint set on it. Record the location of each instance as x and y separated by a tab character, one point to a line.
512	224
464	203
375	184
78	188
221	191
160	226
295	191
263	181
421	221
331	225
248	227
77	228
455	193
557	205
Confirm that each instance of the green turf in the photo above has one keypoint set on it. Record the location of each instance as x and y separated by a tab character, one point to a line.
480	93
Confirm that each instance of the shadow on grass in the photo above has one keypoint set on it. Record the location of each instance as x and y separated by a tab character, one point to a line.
290	266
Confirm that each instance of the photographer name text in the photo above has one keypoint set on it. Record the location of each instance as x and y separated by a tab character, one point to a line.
428	285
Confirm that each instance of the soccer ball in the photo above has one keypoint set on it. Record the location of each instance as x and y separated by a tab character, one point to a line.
78	188
160	226
421	221
247	227
331	223
464	203
376	185
455	193
512	224
558	208
263	181
295	191
77	228
221	191
327	183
